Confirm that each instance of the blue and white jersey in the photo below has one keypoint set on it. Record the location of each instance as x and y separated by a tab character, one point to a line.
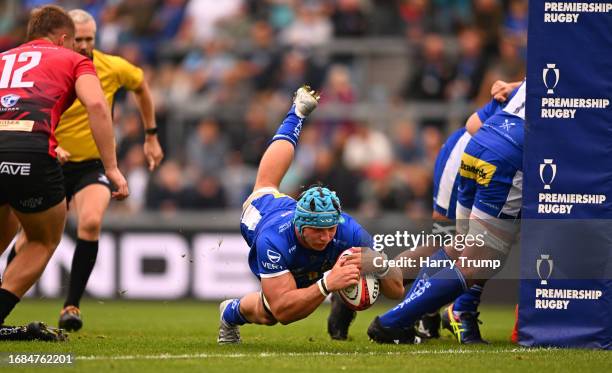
267	226
448	161
446	170
504	131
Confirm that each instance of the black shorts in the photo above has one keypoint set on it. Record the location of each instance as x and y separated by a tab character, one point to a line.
78	175
30	182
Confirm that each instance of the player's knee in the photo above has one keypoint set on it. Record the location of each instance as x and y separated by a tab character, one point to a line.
285	321
89	226
284	318
50	239
269	320
469	273
43	246
55	240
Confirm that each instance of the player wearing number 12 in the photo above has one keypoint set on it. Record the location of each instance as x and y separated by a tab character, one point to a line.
88	192
40	79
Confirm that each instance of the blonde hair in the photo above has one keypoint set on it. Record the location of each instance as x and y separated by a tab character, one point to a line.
79	16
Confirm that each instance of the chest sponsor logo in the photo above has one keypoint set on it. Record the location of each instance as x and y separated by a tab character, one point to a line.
270	266
16	125
10	100
273	256
477	169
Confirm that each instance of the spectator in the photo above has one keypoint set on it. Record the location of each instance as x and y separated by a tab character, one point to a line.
406	144
165	188
206	194
237	179
206	148
470	66
338	90
254	136
367	150
415	18
488	18
433	74
203	18
137	175
329	171
515	24
348	19
264	56
310	28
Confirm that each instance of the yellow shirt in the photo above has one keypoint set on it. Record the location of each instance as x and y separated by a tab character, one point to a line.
73	133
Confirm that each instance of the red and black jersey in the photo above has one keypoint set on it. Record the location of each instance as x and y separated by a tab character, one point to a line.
37	84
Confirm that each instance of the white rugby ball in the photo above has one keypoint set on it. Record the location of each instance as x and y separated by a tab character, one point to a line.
363	295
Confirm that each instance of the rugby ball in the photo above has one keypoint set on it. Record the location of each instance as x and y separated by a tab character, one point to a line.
362	295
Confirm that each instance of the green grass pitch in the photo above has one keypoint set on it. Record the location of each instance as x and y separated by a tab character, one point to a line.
122	336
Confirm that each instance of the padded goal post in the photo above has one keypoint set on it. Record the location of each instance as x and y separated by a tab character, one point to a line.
566	233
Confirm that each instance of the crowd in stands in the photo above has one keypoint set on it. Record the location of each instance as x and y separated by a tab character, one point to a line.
244	58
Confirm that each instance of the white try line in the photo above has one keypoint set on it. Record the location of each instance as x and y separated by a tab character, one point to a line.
309	354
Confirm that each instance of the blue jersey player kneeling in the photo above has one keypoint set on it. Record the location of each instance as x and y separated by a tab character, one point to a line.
295	244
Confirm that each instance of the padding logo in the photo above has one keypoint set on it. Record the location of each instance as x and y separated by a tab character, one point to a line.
550	85
544	276
546	179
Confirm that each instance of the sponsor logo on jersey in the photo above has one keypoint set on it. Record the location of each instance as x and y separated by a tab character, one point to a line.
9	100
284	227
476	169
273	256
270	266
13	168
508	125
16	125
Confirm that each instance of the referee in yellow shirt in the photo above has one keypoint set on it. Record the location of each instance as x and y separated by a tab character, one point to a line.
88	191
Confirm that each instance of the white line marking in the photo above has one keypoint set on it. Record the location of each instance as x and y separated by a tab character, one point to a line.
309	354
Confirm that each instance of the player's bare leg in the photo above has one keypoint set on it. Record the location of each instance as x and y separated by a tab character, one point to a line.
43	232
8	227
22	274
89	203
279	155
253	309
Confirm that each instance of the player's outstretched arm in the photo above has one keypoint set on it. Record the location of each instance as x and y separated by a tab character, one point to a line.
152	149
289	304
473	124
500	90
279	155
90	93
